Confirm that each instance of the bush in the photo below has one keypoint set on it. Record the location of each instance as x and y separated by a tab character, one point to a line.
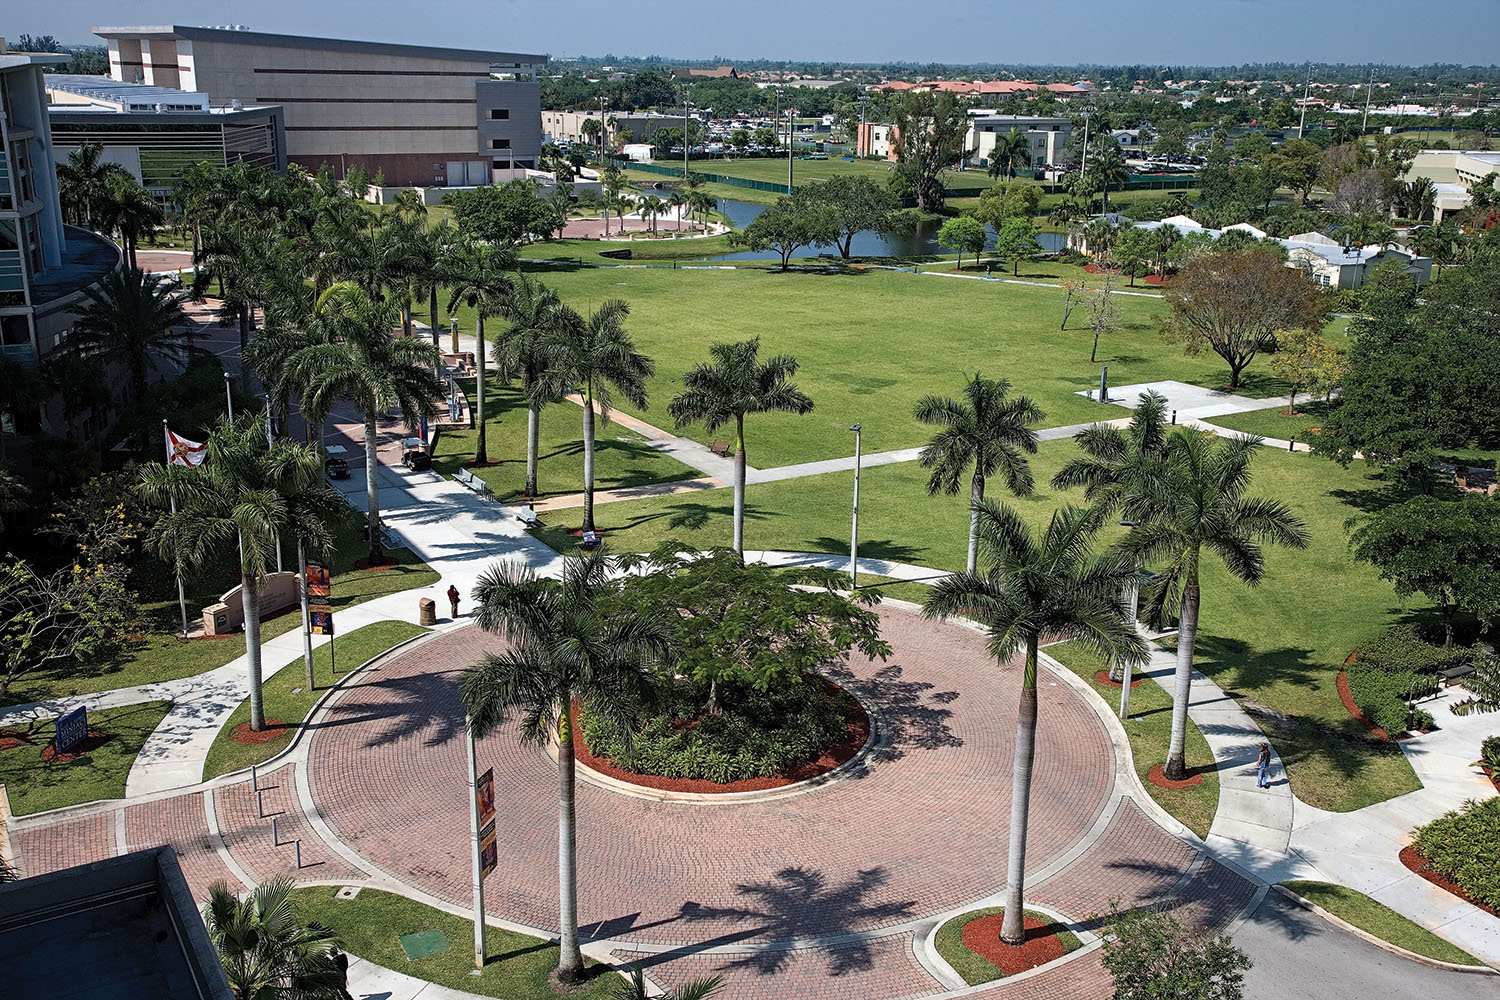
1403	649
1074	257
1382	695
1464	847
1489	754
762	734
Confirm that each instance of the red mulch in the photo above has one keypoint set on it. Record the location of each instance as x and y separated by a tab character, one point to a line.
1494	777
1417	864
1102	677
1353	709
275	729
578	532
1160	780
982	937
857	732
383	564
10	738
92	742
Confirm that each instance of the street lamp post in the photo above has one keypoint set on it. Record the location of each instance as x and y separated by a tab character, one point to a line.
474	859
1133	603
791	118
854	519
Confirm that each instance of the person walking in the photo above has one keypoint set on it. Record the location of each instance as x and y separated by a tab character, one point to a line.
1262	763
453	599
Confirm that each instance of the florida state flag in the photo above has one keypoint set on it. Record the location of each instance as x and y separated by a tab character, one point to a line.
181	451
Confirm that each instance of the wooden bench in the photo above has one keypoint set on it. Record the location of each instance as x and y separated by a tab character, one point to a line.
1455	673
719	448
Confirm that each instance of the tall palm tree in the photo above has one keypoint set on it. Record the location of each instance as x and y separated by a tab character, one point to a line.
265	953
130	209
651	208
1012	152
677	200
702	203
533	310
83	182
131	317
396	262
363	363
563	647
1195	501
985	430
596	358
1106	167
476	275
735	383
247	491
1034	585
437	240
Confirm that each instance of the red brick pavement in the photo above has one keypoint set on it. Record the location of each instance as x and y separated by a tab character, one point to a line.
248	836
922	830
42	849
1082	978
1215	896
881	969
181	822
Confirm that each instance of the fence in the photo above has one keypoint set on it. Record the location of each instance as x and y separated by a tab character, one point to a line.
744	182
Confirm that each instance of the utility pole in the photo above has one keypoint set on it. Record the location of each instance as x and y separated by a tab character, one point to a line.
687	107
791	115
1364	123
474	860
854	521
1306	89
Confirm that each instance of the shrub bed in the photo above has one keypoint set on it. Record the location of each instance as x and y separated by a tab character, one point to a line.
1464	847
760	735
1382	696
1402	649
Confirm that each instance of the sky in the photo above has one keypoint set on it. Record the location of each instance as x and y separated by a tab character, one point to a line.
1058	32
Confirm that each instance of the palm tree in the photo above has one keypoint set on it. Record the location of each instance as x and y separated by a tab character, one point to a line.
1012	151
984	430
83	182
475	274
735	383
634	988
1163	240
363	363
1195	500
1033	586
267	955
248	490
132	210
702	203
436	241
651	208
533	310
564	648
131	317
1106	167
677	199
596	358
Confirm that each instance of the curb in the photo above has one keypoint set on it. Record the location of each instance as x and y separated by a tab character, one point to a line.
1381	943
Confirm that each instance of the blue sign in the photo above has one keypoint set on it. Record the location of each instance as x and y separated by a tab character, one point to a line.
72	729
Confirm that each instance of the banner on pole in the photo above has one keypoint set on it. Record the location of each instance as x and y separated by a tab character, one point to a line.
181	451
488	855
320	616
319	584
484	795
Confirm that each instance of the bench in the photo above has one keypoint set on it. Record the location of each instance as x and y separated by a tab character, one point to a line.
1455	673
719	448
528	517
471	481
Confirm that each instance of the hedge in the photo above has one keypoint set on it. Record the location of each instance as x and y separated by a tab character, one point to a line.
1382	695
1402	649
1464	847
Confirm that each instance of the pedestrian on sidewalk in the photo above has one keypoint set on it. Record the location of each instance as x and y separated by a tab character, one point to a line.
453	600
1262	764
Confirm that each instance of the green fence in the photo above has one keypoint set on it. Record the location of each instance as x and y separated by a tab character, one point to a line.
744	182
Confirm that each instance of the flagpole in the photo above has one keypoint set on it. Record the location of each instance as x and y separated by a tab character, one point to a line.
172	497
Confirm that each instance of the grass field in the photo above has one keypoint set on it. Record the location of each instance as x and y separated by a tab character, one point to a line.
975	968
1276	423
621	457
34	784
156	654
1381	921
286	698
371	924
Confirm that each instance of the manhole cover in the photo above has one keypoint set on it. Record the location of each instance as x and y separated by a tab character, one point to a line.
422	943
347	892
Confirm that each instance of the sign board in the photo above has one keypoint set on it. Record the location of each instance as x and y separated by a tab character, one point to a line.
72	729
488	856
318	582
320	616
484	794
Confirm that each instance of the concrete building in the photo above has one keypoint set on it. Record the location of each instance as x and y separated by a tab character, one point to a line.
877	139
45	266
1047	138
1453	173
157	132
418	115
567	126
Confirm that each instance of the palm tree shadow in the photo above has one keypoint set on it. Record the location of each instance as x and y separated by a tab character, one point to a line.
869	548
422	703
912	715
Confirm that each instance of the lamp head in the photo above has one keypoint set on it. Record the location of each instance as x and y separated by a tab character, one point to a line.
854	427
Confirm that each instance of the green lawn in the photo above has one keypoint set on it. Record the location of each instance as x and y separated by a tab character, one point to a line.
372	923
974	968
35	785
1150	732
156	654
1276	423
621	457
1381	921
286	697
564	252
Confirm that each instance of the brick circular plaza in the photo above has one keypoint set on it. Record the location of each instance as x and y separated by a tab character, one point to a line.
919	829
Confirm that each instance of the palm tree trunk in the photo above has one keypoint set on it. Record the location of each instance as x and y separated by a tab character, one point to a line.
588	458
250	601
1012	928
533	441
432	313
569	959
481	454
976	494
372	483
739	482
1182	686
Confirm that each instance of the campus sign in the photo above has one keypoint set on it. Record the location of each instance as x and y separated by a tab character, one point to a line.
72	729
484	796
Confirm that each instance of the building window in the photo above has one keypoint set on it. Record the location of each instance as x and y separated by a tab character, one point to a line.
499	143
499	114
501	164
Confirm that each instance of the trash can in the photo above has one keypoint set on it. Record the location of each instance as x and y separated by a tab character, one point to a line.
426	612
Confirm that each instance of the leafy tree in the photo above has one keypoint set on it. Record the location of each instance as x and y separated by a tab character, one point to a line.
265	953
963	233
930	133
1002	201
562	646
1012	152
788	226
246	493
130	319
1133	250
1164	241
734	384
1448	550
740	140
1035	584
1302	358
510	213
1298	162
1154	956
1103	310
1196	501
740	627
1016	241
985	431
856	205
1235	304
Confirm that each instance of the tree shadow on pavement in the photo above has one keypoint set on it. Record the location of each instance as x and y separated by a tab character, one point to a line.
407	706
911	714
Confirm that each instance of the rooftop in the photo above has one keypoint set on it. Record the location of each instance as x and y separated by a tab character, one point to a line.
86	258
239	35
10	59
